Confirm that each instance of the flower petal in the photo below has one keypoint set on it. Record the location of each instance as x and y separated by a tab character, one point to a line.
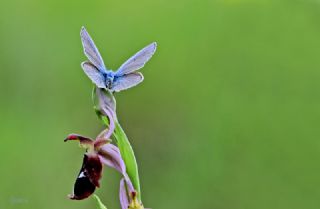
109	154
102	139
111	117
106	99
103	135
105	105
123	195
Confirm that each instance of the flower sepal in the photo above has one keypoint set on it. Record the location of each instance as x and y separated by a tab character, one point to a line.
84	142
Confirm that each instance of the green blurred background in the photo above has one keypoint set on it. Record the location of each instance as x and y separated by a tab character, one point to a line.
227	117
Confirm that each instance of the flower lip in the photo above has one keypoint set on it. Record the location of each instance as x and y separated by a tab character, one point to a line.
93	168
83	188
88	177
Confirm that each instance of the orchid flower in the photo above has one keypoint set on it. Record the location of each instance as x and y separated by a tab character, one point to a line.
99	152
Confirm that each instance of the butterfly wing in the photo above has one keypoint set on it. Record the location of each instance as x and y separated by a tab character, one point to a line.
94	74
90	50
126	81
138	60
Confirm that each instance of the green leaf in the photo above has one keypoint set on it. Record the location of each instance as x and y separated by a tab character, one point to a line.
100	204
128	157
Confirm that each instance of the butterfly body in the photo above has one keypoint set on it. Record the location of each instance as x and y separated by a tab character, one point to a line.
109	81
108	77
125	77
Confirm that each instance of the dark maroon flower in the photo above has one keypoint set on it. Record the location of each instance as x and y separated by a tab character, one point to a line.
88	178
99	152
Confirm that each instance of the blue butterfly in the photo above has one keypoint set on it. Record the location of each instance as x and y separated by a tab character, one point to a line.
125	77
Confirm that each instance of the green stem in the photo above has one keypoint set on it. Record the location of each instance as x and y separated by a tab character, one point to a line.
100	204
128	157
122	141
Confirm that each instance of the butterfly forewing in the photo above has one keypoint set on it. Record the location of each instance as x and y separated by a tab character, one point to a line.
138	60
94	74
126	81
90	50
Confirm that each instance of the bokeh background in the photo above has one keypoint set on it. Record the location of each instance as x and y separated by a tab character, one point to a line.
227	118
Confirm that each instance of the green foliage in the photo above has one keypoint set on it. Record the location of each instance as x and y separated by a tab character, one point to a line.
99	203
126	152
128	157
121	138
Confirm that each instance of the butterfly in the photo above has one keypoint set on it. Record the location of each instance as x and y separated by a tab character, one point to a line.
125	77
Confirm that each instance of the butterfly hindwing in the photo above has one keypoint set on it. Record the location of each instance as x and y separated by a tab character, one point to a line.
126	81
94	74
